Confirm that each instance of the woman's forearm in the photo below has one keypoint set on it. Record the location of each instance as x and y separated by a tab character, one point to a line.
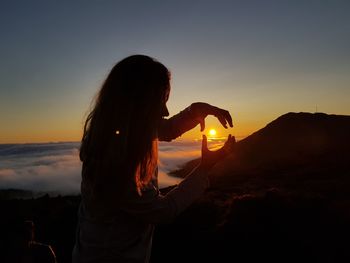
190	189
177	125
164	208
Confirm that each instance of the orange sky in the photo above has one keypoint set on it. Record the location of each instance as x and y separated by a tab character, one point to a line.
257	59
33	135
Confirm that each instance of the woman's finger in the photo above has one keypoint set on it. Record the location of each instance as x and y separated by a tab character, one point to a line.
228	146
222	121
228	118
202	124
223	114
228	141
204	143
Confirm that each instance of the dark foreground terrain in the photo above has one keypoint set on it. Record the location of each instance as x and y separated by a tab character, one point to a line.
281	196
242	228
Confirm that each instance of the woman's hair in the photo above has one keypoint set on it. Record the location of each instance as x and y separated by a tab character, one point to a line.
120	132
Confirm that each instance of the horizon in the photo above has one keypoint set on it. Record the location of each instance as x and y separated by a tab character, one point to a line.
55	167
185	139
258	60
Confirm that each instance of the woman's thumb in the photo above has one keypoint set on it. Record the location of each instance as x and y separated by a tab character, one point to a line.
204	143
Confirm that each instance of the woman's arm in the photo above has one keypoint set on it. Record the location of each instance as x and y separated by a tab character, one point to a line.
175	126
189	118
155	208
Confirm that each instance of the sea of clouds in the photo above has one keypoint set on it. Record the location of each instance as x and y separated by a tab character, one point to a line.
55	167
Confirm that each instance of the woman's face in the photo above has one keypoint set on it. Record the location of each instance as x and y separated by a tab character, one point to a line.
164	110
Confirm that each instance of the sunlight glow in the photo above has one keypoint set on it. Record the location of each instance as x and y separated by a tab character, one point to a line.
212	132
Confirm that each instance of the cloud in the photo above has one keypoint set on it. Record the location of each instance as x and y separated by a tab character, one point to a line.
57	172
55	167
172	156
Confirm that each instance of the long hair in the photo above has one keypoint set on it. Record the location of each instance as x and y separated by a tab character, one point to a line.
120	132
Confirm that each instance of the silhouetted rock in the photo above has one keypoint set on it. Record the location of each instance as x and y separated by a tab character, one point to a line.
55	220
7	194
295	137
301	152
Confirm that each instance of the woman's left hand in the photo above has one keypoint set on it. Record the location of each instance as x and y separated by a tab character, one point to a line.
210	158
201	110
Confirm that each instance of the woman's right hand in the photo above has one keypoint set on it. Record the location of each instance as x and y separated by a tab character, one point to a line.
201	110
210	158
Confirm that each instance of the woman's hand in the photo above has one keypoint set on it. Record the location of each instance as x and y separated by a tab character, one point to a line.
210	158
201	110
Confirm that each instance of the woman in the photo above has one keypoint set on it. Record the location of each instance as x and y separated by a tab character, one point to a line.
120	197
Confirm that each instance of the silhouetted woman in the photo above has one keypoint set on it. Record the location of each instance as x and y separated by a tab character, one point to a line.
120	197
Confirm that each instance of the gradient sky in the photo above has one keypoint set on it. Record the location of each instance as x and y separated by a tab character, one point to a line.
257	59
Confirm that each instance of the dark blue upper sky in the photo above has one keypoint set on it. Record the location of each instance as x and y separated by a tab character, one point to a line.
258	59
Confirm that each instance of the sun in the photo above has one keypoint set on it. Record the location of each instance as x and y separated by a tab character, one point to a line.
212	132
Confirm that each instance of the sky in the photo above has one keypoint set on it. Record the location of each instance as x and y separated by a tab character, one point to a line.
257	59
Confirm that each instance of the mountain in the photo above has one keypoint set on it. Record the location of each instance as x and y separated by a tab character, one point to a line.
282	195
298	152
296	137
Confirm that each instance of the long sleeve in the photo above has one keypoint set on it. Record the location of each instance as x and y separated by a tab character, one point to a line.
155	208
175	126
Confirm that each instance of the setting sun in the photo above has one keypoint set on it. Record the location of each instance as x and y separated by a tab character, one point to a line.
212	132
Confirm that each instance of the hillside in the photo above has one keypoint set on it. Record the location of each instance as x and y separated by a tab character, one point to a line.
299	152
282	195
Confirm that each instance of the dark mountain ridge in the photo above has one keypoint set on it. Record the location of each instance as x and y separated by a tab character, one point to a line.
296	135
282	195
295	150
